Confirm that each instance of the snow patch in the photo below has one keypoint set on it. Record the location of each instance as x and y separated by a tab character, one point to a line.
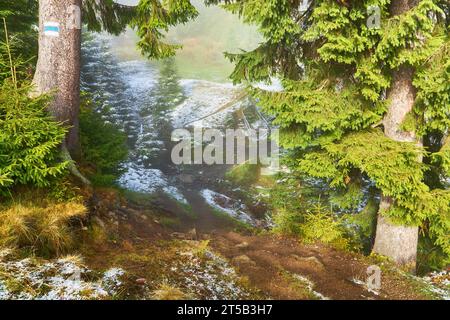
227	205
211	277
310	286
140	179
439	283
62	279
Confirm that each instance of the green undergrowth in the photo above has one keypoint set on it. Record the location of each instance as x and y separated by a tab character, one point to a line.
186	209
429	257
170	222
138	198
315	225
104	146
29	136
29	140
244	175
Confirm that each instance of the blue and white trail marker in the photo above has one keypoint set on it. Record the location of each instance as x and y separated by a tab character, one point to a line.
51	29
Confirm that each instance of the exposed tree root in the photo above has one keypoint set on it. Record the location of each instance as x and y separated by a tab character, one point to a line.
72	167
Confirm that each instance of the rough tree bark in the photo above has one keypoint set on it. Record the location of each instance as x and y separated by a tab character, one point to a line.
392	240
58	66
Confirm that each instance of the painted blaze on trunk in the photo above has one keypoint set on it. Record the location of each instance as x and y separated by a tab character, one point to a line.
58	66
395	241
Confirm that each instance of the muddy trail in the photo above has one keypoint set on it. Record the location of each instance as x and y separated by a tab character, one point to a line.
227	262
286	269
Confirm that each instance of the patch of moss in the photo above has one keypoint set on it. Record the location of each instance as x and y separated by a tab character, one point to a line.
138	198
244	174
300	285
187	210
169	222
238	225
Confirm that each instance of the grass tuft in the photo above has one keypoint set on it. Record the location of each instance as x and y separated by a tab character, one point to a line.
44	228
168	292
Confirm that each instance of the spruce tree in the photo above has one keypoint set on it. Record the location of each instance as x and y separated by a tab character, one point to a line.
364	103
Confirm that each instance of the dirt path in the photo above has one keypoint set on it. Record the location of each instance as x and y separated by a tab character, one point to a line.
283	267
276	267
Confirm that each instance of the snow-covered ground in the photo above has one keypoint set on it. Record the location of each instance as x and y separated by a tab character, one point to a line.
439	283
210	277
225	204
62	279
144	180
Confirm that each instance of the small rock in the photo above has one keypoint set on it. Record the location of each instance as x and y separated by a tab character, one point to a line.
141	281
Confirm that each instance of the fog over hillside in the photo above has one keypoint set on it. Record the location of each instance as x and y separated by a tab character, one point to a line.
204	41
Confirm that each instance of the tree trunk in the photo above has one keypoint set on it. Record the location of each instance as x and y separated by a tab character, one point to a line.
396	241
58	66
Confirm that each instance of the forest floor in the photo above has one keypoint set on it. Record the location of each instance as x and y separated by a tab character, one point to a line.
163	261
140	248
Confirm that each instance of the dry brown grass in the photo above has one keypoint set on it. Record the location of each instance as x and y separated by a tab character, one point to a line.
168	292
42	226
